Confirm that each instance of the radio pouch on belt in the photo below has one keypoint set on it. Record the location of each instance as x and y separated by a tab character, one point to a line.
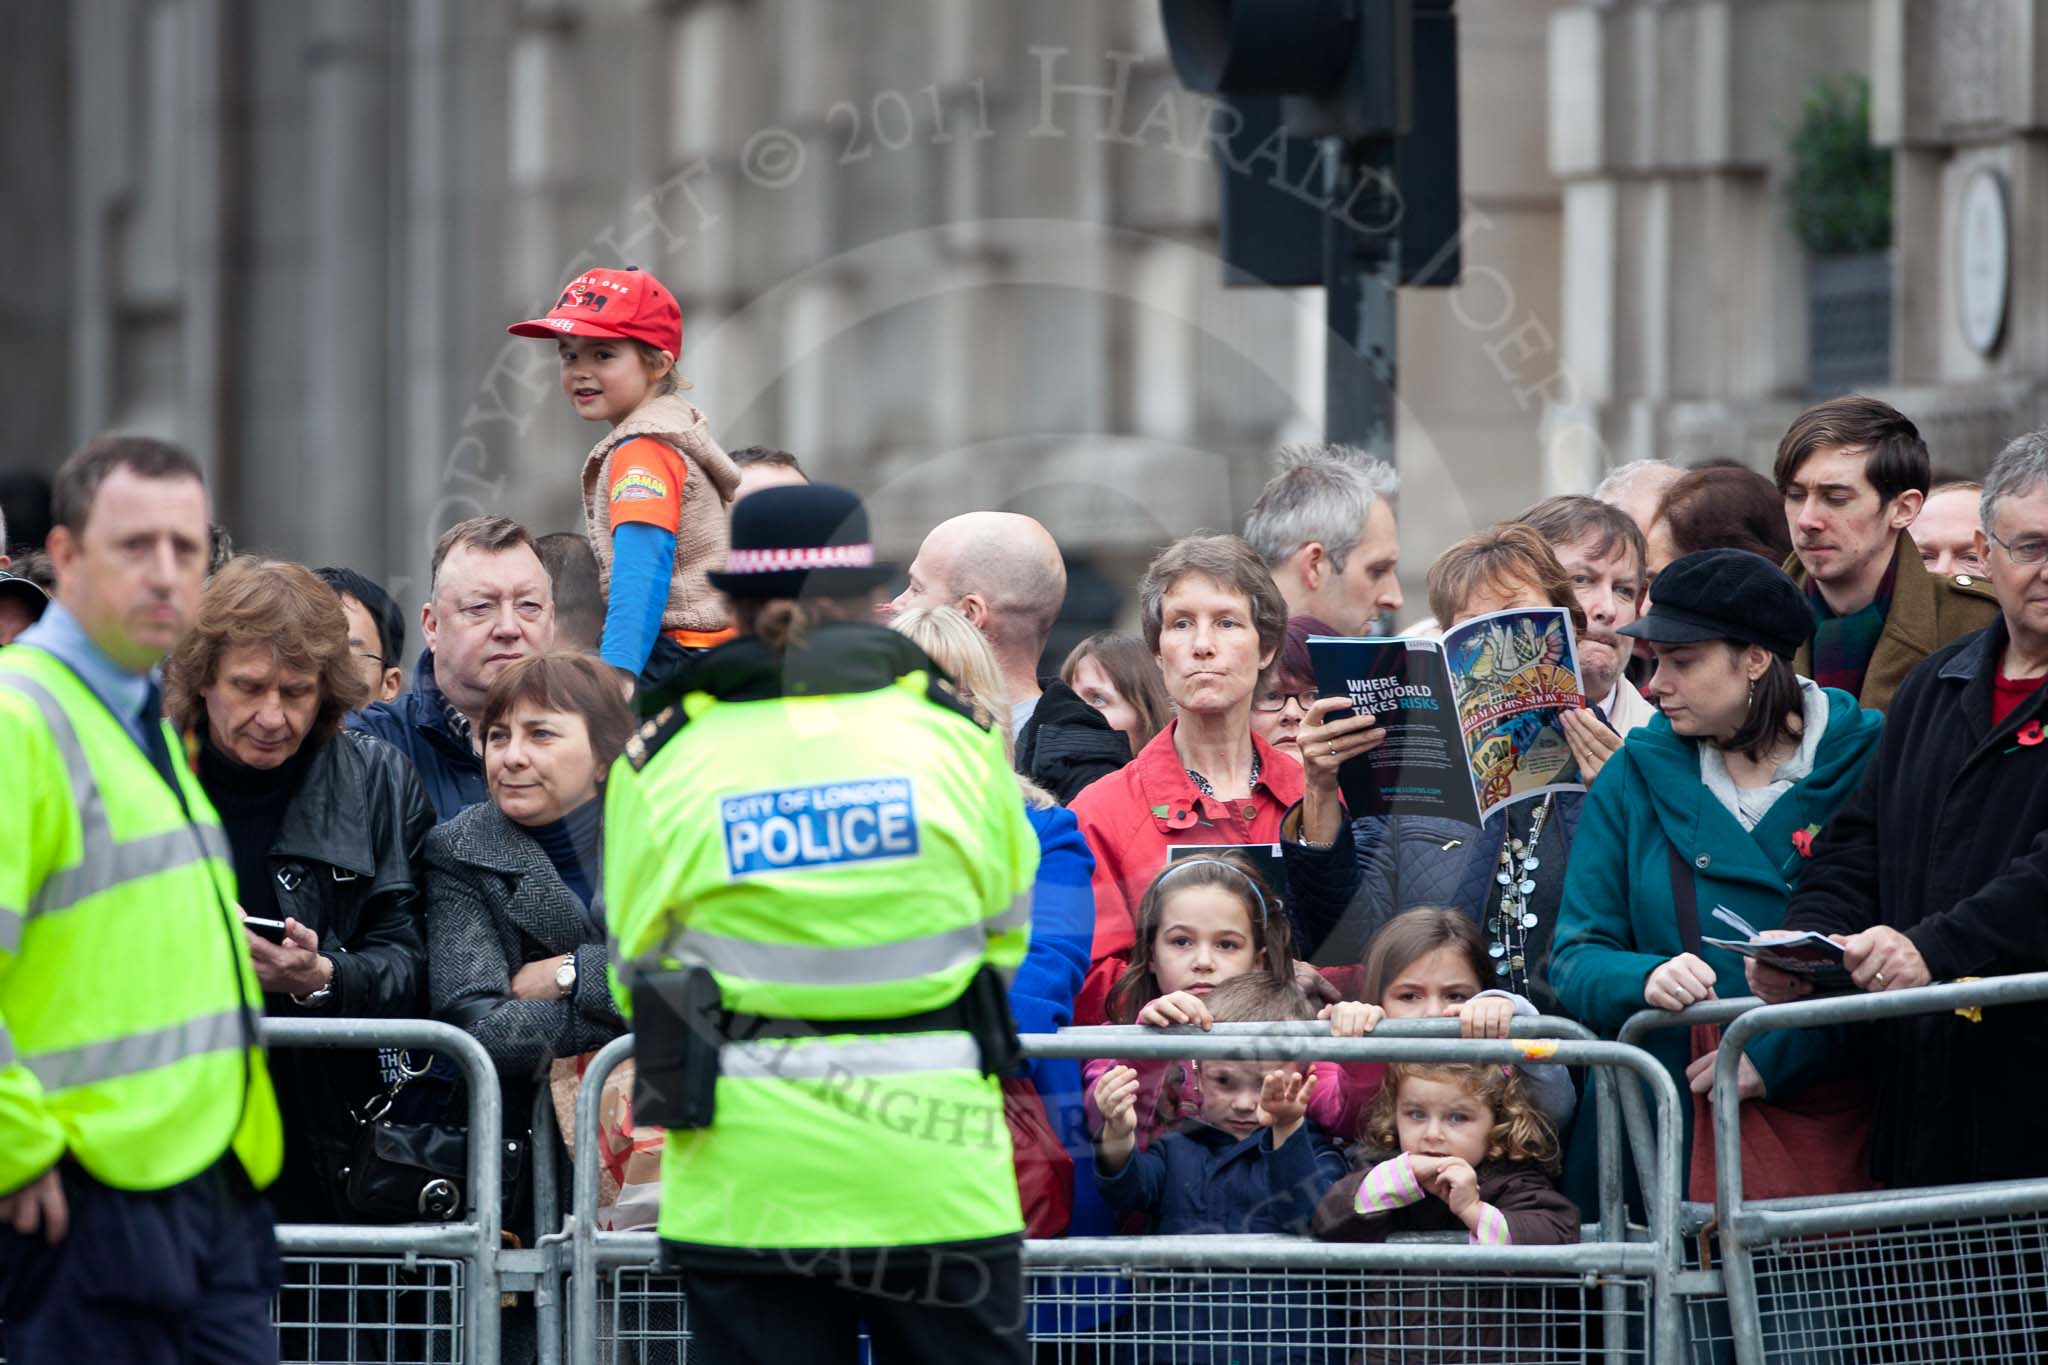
678	1026
986	1007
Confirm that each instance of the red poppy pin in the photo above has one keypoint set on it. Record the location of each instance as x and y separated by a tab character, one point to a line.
2030	734
1802	839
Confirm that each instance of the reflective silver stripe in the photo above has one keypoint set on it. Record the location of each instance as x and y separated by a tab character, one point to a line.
6	1049
11	922
127	860
824	1060
1018	916
104	862
95	838
904	960
115	1057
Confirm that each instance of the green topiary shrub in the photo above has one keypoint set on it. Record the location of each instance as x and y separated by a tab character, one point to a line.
1841	187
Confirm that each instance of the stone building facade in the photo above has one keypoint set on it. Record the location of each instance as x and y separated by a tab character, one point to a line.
1686	313
955	254
958	255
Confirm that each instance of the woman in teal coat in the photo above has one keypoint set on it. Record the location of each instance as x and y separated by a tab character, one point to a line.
1729	784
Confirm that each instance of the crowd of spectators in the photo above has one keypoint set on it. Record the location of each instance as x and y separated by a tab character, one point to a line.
1812	697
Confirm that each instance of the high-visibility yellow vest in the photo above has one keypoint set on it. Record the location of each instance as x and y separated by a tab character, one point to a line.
828	857
127	997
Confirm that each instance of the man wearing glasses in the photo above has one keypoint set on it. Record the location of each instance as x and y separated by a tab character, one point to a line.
376	630
489	606
1937	868
1853	472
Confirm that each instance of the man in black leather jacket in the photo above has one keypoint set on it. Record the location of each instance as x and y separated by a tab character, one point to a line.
325	827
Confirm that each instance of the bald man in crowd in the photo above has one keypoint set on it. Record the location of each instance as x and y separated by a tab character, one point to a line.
1004	572
1945	532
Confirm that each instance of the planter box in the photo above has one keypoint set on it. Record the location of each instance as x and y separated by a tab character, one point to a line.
1848	323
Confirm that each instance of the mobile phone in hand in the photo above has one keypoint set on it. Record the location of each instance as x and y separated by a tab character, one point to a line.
272	929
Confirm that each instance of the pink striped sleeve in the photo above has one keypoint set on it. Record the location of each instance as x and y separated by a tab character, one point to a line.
1388	1186
1491	1230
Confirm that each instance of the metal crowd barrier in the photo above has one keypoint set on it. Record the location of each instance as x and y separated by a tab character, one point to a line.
1957	1272
1248	1297
415	1291
1951	1273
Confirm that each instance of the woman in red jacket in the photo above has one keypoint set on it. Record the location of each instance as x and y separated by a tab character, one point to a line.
1214	618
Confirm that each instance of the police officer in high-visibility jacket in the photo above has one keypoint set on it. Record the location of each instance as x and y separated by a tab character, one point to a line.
817	875
137	1122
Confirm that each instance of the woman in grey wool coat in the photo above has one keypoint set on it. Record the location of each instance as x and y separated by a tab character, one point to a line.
515	942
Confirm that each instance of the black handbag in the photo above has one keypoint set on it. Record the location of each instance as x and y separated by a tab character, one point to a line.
414	1172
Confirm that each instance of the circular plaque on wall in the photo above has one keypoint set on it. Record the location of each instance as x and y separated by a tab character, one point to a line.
1983	260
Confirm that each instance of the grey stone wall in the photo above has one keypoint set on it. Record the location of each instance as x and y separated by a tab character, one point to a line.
958	255
1685	289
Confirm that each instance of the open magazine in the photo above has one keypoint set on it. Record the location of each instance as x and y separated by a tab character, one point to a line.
1474	720
1813	956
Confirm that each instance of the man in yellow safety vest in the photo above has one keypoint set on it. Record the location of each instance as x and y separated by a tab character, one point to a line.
137	1123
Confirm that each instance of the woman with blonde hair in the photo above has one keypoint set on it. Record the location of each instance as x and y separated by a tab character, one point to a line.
953	643
1062	905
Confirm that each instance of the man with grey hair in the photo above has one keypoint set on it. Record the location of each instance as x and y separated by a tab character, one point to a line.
490	605
1937	867
1004	572
1325	527
1637	487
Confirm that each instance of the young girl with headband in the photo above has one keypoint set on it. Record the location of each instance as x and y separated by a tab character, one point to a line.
1202	922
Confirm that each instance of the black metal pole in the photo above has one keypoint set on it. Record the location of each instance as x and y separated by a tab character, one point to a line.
1360	268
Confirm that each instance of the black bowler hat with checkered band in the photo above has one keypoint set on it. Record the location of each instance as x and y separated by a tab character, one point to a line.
800	540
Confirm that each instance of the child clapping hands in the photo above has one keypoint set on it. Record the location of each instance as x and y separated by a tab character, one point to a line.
1246	1162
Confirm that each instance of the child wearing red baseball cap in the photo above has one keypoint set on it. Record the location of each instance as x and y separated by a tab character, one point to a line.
656	486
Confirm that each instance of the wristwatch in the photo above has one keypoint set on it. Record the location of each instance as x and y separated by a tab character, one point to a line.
318	997
565	975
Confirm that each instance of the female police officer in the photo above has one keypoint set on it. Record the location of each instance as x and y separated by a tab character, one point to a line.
816	866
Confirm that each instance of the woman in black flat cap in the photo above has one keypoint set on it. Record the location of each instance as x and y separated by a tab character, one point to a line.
1711	806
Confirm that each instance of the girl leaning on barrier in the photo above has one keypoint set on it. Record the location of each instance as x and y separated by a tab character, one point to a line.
1713	806
1451	1149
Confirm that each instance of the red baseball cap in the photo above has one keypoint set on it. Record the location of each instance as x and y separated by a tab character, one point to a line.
624	302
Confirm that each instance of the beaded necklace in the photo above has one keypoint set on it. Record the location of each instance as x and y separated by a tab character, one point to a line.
1508	928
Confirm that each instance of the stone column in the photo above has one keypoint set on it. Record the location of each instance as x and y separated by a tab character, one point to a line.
1958	88
349	292
1684	289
